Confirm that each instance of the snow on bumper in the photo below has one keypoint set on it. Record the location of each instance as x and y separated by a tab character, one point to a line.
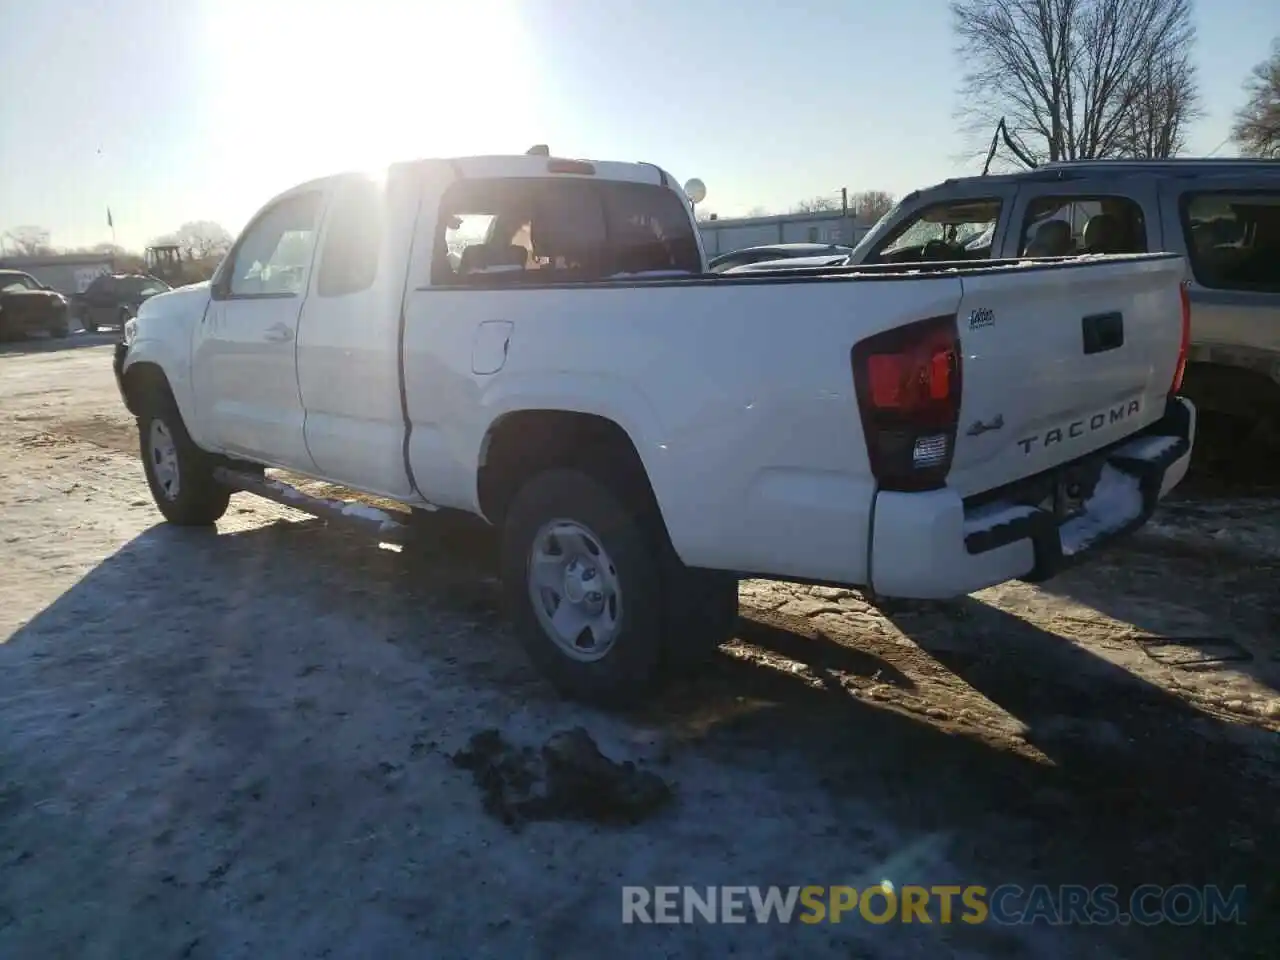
934	546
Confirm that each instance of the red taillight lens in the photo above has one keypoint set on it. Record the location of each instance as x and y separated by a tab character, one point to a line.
908	385
1180	370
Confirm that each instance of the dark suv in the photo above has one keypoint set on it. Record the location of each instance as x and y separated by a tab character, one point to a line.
113	298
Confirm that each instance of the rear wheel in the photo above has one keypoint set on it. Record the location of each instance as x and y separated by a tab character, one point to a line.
179	473
583	580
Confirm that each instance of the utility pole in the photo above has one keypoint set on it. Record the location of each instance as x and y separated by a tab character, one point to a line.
844	201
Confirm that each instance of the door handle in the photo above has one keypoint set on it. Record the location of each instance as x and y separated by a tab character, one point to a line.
279	333
1103	332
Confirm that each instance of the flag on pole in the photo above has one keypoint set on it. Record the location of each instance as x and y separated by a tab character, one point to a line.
109	222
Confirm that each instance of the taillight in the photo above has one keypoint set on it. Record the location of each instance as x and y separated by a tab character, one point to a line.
1185	348
907	382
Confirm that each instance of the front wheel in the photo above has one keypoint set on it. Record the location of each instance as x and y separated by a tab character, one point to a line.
179	473
583	580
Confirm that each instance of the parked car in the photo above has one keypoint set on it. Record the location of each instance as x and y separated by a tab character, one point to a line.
643	434
777	251
111	299
1223	216
27	305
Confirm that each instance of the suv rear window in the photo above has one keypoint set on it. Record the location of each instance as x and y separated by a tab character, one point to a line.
1234	239
503	232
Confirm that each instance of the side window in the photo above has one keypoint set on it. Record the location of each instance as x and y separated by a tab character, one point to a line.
649	230
1234	239
504	232
352	240
1063	226
954	230
272	257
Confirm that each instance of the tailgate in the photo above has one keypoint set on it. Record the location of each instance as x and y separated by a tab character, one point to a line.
1059	360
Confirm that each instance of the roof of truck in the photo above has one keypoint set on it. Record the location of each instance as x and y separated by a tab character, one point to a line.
1065	170
520	165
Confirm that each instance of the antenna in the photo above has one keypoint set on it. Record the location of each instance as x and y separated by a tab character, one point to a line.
538	150
1019	151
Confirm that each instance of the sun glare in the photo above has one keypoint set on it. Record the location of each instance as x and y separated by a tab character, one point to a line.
307	89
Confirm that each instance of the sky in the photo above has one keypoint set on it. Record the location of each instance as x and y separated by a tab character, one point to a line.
204	109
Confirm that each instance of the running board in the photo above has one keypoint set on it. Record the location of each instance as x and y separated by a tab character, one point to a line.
379	524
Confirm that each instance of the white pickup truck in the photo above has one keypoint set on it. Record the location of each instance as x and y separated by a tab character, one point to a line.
536	341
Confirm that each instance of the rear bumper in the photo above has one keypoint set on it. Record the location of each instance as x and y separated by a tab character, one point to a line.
935	545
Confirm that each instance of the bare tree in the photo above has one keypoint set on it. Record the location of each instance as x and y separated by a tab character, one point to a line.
870	205
1257	127
1156	125
200	239
28	241
820	204
1079	79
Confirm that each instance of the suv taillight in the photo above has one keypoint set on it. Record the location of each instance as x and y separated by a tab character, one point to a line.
1185	348
907	381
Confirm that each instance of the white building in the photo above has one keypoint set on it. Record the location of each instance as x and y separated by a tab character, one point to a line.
725	236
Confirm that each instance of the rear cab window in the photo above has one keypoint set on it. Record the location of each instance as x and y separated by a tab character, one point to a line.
1233	239
1068	225
946	231
567	230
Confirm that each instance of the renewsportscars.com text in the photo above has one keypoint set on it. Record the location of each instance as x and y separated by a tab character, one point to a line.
1148	905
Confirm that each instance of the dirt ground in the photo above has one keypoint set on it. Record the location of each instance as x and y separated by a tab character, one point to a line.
261	742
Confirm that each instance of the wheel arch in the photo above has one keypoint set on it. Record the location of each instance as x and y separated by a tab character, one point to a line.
519	444
150	364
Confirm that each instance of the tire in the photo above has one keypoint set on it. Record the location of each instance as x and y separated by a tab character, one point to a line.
88	324
701	615
565	514
171	459
61	329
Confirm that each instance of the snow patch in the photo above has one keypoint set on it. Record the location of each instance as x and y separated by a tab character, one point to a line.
1148	448
1116	500
288	491
993	515
353	508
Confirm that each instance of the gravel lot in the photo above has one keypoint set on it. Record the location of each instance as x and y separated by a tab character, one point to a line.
239	744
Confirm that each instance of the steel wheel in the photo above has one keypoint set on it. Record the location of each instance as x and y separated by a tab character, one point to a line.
163	452
574	589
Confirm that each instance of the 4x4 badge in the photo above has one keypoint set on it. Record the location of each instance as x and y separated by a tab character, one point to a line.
980	428
984	317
